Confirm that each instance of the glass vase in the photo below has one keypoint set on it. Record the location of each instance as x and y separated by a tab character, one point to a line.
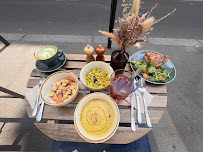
119	59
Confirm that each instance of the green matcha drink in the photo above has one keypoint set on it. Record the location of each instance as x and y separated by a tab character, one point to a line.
46	53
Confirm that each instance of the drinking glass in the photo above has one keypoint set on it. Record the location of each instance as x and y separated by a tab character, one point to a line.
121	85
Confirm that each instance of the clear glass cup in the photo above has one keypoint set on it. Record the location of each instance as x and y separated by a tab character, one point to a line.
121	85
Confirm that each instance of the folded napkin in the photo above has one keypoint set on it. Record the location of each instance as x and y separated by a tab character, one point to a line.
31	96
148	99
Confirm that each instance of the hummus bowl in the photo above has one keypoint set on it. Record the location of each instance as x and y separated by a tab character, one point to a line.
96	117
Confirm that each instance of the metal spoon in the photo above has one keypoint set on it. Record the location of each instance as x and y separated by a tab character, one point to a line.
142	90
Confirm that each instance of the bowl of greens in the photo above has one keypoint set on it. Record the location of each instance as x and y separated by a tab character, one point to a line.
162	75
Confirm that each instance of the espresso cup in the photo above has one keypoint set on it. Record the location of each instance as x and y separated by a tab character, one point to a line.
48	55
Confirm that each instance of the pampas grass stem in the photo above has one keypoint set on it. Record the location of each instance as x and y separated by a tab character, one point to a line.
164	17
146	24
152	9
135	7
112	36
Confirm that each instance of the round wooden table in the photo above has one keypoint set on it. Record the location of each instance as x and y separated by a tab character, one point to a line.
52	127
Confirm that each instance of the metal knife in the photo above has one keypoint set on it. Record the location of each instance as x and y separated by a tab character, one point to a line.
42	78
139	117
132	115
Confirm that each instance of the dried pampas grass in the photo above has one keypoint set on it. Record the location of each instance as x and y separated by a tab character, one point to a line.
135	7
132	27
112	38
164	16
146	24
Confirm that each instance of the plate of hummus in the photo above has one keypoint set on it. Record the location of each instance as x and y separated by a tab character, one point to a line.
96	117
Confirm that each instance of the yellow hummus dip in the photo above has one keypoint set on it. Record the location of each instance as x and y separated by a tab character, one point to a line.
97	117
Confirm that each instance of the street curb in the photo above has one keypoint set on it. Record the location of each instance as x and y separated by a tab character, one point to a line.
97	39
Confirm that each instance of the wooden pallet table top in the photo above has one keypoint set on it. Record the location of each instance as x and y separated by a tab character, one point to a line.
51	126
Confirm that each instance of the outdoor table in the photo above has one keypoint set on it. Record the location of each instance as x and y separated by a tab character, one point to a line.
50	125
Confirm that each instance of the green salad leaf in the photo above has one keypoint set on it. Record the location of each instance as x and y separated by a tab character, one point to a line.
151	68
154	74
162	69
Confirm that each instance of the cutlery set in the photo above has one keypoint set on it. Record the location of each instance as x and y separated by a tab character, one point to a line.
141	89
39	116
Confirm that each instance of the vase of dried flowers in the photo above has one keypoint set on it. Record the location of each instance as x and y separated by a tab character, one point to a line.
119	58
133	29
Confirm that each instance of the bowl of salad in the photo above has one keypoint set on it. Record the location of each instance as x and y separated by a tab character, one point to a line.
96	75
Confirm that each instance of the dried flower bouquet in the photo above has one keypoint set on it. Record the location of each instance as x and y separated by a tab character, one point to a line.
133	26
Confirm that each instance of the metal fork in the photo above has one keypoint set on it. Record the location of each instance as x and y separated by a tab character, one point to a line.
142	90
42	78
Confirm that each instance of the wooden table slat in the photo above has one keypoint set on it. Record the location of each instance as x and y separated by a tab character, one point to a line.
67	113
82	57
51	121
67	132
150	87
74	65
36	73
157	101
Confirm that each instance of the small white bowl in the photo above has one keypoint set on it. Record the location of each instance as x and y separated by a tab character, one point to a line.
46	87
92	65
77	113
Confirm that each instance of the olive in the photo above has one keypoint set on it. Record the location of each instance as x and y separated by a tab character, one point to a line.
95	79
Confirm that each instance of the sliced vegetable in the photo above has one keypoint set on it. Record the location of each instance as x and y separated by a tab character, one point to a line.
160	77
54	98
72	79
145	75
144	68
58	99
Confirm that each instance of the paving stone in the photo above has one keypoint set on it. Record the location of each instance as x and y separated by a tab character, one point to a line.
57	38
12	108
11	36
175	42
201	41
166	136
17	62
9	133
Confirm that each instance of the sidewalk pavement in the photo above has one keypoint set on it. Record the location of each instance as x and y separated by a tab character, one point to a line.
178	130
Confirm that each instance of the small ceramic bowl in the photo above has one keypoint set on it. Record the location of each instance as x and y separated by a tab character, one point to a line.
92	65
46	87
77	114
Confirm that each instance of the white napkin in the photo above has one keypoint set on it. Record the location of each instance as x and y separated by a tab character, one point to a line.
31	96
148	99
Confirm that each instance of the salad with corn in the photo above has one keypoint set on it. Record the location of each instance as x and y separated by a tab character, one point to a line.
97	78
